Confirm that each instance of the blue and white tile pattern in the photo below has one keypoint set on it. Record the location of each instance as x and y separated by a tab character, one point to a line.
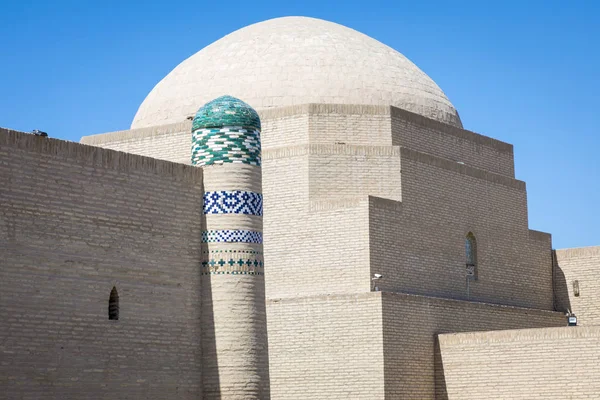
233	202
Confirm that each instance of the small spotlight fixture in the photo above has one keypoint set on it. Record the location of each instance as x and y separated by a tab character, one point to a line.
571	319
37	132
376	277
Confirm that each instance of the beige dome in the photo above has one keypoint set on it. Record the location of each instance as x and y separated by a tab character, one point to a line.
295	60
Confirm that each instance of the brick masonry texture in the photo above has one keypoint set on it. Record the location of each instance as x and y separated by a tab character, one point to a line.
295	60
75	221
235	361
353	190
348	159
373	345
581	267
234	348
549	363
425	135
170	142
420	246
326	347
410	324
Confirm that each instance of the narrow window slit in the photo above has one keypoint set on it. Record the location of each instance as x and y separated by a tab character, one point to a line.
113	304
471	255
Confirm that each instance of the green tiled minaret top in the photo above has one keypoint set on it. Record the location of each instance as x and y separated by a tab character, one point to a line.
226	130
226	111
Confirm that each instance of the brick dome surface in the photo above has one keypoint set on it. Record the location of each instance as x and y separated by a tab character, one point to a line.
295	60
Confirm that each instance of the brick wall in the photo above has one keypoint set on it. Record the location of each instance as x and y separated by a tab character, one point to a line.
326	347
374	345
349	124
338	172
75	221
168	142
422	134
284	127
419	245
580	266
549	363
411	322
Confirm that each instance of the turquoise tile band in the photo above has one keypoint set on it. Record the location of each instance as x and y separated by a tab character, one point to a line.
225	145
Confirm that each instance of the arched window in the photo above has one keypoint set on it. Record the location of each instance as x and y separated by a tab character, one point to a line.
471	255
113	304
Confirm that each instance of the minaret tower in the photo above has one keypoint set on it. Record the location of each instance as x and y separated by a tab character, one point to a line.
226	144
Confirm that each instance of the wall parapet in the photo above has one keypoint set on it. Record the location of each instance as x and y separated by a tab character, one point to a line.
518	335
397	296
312	109
344	149
539	235
365	109
98	156
139	133
578	252
409	154
320	297
385	204
323	205
471	136
322	108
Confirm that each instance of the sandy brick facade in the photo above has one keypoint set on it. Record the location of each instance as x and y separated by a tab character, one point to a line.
449	182
76	221
549	363
421	246
376	345
577	283
429	136
169	142
326	347
410	324
349	191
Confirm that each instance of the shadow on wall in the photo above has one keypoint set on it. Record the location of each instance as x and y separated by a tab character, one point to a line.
560	288
210	366
440	379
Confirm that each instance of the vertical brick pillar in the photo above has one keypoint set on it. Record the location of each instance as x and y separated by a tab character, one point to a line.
226	144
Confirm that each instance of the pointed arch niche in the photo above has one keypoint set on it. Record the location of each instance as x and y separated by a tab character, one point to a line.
471	255
113	304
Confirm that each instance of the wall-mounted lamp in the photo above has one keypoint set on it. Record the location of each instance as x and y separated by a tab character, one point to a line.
571	318
576	288
376	277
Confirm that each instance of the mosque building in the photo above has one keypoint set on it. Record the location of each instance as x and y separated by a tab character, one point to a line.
295	213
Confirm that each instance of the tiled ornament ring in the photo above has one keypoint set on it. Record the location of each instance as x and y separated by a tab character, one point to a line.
233	202
232	236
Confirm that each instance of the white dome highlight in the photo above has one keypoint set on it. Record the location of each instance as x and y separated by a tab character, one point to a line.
295	60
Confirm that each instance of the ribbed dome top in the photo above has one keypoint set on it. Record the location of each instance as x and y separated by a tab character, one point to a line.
226	111
295	60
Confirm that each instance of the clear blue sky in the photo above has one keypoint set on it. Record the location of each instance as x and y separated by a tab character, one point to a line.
525	72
